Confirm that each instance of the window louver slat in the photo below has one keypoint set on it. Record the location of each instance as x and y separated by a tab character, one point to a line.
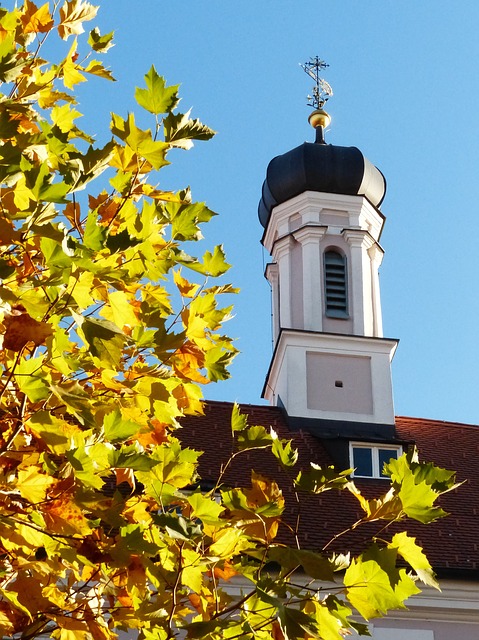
335	285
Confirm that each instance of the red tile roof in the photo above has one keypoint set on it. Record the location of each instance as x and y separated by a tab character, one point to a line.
450	543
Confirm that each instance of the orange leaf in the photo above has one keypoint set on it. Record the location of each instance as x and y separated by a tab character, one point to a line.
72	213
188	362
11	620
276	631
225	573
195	600
105	206
187	289
35	20
98	628
124	598
64	516
156	434
20	328
7	233
125	475
29	593
263	491
28	266
25	125
77	628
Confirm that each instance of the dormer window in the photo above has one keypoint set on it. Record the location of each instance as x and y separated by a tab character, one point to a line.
335	285
368	460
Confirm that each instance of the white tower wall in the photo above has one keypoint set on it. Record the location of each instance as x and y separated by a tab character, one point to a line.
334	368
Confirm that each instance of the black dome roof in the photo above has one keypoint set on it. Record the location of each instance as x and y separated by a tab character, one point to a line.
320	167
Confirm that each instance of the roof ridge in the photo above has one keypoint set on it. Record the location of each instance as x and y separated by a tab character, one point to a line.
436	421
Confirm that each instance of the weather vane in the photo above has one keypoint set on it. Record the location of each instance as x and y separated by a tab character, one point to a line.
322	90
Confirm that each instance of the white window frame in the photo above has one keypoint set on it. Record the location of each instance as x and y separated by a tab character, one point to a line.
374	448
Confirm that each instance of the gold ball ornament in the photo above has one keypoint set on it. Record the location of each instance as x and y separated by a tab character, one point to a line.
319	118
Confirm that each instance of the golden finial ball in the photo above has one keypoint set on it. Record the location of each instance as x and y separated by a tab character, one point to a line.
319	118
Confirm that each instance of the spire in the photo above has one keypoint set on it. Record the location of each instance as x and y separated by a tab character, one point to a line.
322	224
319	119
322	90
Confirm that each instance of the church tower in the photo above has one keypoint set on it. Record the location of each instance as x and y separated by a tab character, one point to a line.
320	209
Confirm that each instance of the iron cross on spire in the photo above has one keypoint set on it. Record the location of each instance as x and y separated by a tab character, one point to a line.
322	90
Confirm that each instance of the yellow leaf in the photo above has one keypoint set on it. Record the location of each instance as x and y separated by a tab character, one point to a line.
36	20
164	196
48	98
72	15
137	510
80	287
53	594
120	311
33	485
57	434
157	296
226	543
71	75
187	289
189	398
108	379
196	326
22	195
23	537
124	159
192	574
63	117
70	628
97	69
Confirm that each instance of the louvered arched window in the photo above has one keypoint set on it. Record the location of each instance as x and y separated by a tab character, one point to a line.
335	284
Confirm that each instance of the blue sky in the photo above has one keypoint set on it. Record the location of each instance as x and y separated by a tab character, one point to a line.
405	80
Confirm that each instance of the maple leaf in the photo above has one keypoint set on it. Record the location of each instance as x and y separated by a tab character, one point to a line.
36	20
226	571
154	434
33	485
71	74
21	328
66	517
125	475
72	213
100	43
157	97
72	15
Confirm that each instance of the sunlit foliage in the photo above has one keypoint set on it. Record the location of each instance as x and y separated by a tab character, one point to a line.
108	326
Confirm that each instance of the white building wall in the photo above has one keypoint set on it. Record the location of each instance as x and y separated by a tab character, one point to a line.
449	614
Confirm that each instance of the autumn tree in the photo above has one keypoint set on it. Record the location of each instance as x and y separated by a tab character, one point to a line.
108	326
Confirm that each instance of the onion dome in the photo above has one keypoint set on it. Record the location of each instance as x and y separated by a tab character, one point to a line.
317	166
